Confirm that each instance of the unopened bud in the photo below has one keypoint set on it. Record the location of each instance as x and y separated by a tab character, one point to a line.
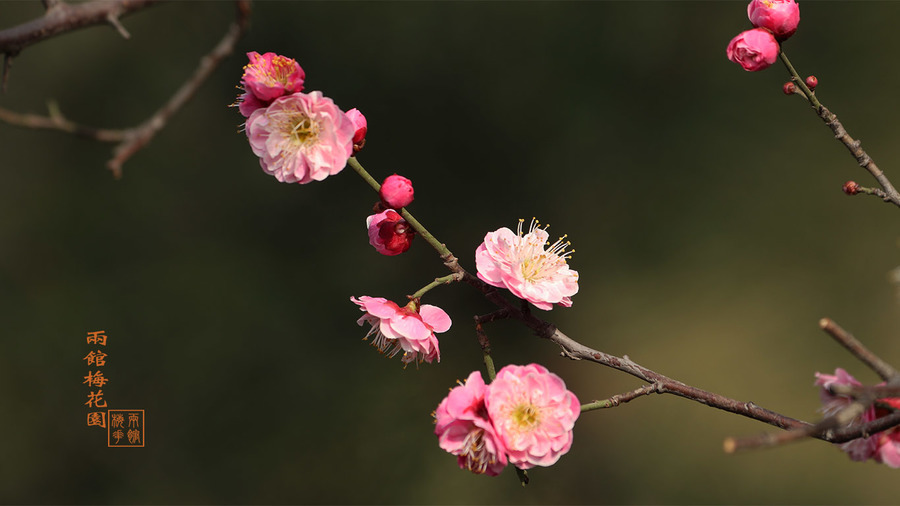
360	128
851	188
812	82
396	192
789	88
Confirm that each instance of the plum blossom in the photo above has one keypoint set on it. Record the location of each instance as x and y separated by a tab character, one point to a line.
409	329
266	78
753	50
528	265
532	413
464	430
301	137
882	447
389	233
396	191
780	17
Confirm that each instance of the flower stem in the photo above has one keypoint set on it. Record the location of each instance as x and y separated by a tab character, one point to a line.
418	227
810	95
446	280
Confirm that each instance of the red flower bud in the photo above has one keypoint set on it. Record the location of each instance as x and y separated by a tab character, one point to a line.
812	82
851	188
789	88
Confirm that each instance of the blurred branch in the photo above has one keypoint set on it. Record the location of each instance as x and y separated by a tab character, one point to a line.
61	17
133	139
890	193
858	350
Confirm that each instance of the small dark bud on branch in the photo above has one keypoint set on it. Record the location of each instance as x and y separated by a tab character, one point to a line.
812	82
789	88
851	188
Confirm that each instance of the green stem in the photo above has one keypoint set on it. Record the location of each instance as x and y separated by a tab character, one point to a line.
446	280
810	95
489	365
418	227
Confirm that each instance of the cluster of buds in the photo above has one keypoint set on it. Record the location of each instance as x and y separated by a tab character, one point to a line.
774	22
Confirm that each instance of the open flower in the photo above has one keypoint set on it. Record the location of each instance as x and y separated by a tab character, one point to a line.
532	413
882	447
753	50
389	233
464	430
528	266
266	78
409	329
301	137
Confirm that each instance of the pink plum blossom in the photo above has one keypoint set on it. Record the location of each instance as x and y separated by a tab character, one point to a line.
780	17
301	137
882	447
532	413
528	266
753	50
266	78
409	329
389	233
359	124
464	430
396	191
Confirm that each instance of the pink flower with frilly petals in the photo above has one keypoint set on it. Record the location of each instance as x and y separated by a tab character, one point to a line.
464	430
301	137
753	50
528	266
781	17
270	76
533	414
389	233
409	329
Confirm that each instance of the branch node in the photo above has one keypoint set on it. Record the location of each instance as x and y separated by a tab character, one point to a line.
113	19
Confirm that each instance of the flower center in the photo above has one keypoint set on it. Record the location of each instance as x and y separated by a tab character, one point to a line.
526	416
301	129
536	262
476	453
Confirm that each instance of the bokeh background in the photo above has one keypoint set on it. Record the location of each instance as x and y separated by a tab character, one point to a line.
705	208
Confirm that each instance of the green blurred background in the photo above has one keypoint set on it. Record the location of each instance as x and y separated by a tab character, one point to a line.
704	206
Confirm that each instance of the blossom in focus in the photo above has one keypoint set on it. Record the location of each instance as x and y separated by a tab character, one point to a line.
396	191
528	265
301	137
389	233
359	124
780	17
409	329
266	78
753	50
464	430
882	447
532	413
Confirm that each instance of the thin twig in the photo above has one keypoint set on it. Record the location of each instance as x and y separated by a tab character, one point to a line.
620	398
858	350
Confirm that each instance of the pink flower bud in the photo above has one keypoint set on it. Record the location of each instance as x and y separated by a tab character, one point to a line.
396	192
753	49
780	17
359	124
389	233
789	88
851	188
812	82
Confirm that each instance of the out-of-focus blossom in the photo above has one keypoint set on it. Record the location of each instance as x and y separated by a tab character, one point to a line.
409	329
753	50
301	137
464	430
396	191
528	265
780	17
389	233
532	413
882	447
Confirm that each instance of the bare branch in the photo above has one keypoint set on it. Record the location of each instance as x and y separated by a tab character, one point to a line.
858	350
61	17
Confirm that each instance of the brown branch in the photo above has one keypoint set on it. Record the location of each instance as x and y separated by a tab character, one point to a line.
858	350
61	17
133	139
